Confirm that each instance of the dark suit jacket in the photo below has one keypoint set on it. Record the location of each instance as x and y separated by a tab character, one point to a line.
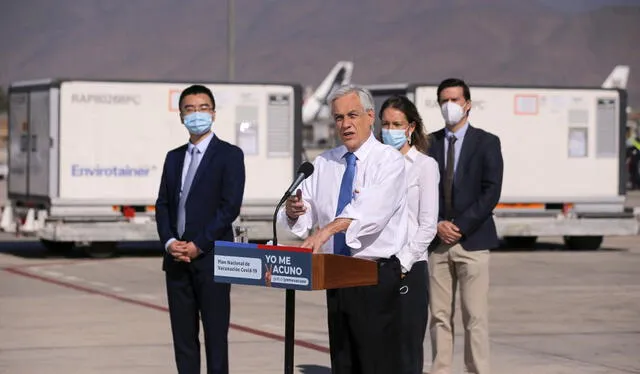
476	187
214	199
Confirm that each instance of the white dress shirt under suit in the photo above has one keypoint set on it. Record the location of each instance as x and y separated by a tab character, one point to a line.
378	208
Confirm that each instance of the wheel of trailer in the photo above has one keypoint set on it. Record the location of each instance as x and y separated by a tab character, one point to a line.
57	247
100	249
520	242
583	242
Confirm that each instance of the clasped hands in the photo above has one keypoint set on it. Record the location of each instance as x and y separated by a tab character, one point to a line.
183	251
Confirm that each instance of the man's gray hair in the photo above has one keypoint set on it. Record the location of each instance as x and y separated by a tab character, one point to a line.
365	96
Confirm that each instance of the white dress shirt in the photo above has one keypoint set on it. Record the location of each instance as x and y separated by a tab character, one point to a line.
378	209
423	178
202	147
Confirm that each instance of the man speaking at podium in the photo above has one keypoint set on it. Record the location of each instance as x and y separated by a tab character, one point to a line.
357	198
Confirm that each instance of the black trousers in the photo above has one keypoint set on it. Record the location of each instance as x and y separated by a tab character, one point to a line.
364	324
414	302
193	295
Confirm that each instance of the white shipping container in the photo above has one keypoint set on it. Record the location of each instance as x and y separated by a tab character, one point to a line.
563	157
559	145
79	148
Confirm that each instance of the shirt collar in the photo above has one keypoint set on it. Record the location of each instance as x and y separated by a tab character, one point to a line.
460	133
362	152
412	154
202	145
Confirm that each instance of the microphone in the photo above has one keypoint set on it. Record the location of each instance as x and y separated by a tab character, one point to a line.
304	171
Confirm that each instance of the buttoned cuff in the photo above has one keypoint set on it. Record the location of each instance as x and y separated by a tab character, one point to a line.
168	243
406	259
352	232
298	228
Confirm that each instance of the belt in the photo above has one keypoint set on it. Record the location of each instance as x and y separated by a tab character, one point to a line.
383	261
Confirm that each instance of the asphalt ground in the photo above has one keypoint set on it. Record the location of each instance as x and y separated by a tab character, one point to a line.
551	311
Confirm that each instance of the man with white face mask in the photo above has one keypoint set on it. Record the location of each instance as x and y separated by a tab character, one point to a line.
199	197
471	168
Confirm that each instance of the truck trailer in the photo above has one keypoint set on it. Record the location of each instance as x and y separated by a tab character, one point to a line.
86	156
564	158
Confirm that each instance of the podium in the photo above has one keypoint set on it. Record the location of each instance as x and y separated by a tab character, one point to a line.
290	268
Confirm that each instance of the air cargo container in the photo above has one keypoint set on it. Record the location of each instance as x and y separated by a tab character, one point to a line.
563	151
86	156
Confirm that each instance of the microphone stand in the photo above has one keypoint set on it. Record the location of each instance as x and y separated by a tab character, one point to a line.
290	307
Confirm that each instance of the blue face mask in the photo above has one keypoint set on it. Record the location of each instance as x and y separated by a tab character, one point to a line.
394	137
198	122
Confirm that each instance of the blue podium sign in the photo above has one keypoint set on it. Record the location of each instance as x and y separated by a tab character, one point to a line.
262	265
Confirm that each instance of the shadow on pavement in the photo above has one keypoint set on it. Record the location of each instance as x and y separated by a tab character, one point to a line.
34	249
553	247
314	369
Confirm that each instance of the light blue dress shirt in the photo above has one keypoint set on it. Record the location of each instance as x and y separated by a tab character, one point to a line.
458	144
202	147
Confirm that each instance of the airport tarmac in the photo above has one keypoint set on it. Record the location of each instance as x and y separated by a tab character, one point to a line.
551	311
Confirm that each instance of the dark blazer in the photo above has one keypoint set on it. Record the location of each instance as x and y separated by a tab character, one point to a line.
476	187
214	199
212	205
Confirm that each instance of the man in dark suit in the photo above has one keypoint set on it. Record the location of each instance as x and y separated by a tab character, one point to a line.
470	161
200	196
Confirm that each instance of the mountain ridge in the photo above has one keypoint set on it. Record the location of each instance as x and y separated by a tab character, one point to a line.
496	42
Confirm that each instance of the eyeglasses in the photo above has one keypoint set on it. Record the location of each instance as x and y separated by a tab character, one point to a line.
188	109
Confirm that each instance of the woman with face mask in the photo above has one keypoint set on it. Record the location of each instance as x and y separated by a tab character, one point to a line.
402	128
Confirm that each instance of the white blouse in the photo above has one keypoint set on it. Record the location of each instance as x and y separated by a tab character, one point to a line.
423	179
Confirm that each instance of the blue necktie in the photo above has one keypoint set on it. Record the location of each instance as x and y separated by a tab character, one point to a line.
191	172
346	193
